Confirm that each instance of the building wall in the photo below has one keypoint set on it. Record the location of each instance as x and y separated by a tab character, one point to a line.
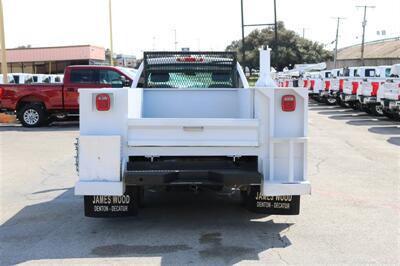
368	62
52	60
83	52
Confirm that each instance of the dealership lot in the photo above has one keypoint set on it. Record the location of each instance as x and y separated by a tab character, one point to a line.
353	215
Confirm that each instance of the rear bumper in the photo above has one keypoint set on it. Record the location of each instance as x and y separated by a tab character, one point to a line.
324	93
193	171
391	105
230	178
348	97
368	99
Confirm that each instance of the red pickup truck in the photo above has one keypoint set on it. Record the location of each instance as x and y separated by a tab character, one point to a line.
39	104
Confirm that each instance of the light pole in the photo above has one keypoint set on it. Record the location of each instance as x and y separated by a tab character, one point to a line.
364	23
111	35
3	46
336	41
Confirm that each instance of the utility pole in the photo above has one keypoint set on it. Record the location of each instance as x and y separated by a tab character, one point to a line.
276	27
3	46
111	35
243	49
175	42
336	40
364	23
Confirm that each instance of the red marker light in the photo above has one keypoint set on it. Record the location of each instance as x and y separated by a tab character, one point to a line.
288	103
1	92
375	88
312	84
354	88
341	85
305	83
103	102
327	85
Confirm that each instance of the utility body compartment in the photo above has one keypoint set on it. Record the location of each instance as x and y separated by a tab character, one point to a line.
239	138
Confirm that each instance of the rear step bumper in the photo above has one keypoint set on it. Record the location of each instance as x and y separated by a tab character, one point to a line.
193	170
193	177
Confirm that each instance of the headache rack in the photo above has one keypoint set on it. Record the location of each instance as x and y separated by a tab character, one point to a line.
190	69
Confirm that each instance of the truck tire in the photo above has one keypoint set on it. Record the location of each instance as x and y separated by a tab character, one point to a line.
388	114
278	205
376	109
32	115
342	103
330	101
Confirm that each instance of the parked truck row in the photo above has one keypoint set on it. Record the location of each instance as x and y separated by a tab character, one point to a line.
373	89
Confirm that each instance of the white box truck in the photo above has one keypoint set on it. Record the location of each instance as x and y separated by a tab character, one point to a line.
190	120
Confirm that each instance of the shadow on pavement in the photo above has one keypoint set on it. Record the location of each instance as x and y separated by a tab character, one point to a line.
394	141
375	124
371	122
179	228
385	130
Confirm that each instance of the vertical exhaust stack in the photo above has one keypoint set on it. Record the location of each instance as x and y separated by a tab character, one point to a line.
265	79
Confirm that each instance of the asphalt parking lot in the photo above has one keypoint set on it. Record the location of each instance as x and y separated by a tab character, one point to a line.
352	217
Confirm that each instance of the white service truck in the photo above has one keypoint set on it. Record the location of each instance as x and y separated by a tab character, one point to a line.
389	94
368	91
190	120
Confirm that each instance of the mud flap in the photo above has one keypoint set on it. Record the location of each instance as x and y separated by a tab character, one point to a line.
278	205
113	206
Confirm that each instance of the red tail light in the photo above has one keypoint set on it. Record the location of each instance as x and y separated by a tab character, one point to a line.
286	83
355	87
305	84
341	85
103	102
1	92
312	84
327	85
375	88
288	103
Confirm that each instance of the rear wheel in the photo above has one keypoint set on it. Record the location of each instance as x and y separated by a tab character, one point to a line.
376	109
330	101
33	115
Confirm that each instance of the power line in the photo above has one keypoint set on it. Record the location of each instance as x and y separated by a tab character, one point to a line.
364	23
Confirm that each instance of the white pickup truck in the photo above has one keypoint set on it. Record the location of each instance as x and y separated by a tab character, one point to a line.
368	91
389	94
190	120
352	83
314	84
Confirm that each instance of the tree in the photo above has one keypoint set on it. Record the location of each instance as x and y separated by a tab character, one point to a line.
292	49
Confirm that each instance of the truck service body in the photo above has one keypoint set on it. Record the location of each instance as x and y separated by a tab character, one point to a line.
368	91
37	104
352	84
389	93
191	120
